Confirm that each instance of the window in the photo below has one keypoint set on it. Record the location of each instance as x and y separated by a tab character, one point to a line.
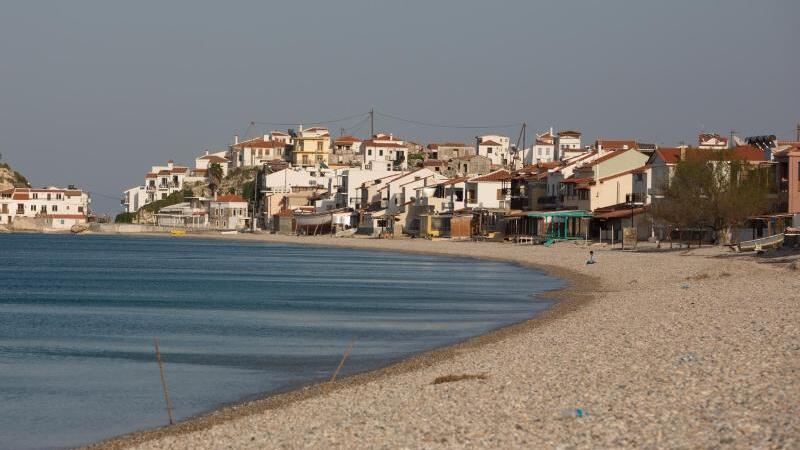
163	196
380	152
369	152
319	146
33	207
35	195
58	196
489	150
53	208
80	209
48	196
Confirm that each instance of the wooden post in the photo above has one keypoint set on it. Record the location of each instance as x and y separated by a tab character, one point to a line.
341	363
163	381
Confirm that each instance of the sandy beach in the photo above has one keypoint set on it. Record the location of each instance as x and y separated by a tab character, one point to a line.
667	349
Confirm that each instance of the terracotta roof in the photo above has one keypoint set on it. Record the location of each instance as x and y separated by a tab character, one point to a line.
496	144
21	196
348	139
258	143
615	214
73	192
615	144
748	153
569	133
230	198
499	175
214	158
669	155
541	142
151	175
179	169
573	180
163	172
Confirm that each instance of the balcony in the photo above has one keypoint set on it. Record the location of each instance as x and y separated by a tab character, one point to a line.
636	198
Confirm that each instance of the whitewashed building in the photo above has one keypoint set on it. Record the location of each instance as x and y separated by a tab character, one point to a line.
65	207
494	147
385	151
257	151
159	183
712	141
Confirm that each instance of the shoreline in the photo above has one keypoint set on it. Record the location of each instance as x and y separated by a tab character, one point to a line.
681	348
573	295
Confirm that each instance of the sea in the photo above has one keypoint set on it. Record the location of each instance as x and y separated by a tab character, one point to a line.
235	320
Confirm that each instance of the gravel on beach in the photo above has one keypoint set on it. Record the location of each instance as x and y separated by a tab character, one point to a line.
647	349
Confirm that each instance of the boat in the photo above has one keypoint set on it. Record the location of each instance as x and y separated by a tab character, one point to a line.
229	232
769	242
177	233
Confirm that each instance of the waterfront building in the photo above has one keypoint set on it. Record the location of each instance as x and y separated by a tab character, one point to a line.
61	207
228	212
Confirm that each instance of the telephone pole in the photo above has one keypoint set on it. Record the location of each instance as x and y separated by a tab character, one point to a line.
372	122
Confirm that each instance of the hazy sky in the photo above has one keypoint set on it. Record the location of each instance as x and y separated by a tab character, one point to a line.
94	93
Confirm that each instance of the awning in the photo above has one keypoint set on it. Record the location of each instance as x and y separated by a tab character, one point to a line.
561	214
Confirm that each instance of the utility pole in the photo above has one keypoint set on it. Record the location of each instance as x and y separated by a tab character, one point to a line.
372	122
797	132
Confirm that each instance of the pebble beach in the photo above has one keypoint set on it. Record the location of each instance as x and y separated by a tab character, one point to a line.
652	348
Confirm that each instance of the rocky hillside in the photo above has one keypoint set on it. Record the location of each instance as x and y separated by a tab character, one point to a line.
10	178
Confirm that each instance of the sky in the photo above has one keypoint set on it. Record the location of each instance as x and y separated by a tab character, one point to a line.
93	93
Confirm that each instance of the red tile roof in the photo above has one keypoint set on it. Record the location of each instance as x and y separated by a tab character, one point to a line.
669	155
615	144
372	143
230	198
258	143
748	153
179	169
490	143
151	175
453	181
346	139
499	175
214	158
569	133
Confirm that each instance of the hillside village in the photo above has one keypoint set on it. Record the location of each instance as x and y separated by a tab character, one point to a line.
306	181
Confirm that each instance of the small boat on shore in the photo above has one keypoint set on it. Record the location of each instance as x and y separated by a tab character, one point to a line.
177	233
769	242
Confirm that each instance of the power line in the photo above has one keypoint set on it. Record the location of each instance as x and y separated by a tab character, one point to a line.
438	125
310	122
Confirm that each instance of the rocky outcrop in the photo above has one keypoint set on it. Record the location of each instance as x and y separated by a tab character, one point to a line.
10	178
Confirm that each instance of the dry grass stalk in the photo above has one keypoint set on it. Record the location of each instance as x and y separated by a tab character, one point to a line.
341	363
460	377
163	381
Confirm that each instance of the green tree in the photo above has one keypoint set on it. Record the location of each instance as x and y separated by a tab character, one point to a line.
714	190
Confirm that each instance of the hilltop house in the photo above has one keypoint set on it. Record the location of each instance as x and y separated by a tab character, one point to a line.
311	147
384	151
346	151
202	163
567	144
494	147
257	151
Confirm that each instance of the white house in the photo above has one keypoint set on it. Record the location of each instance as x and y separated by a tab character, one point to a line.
134	198
159	183
543	149
350	181
567	143
490	191
257	151
64	207
205	161
385	151
494	147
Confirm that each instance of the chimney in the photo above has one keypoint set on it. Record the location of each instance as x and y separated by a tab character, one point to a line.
300	128
170	164
266	138
683	152
206	152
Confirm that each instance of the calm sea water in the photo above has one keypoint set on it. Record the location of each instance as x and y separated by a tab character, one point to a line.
234	320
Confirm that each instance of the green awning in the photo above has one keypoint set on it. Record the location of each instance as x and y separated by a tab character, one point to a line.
560	214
